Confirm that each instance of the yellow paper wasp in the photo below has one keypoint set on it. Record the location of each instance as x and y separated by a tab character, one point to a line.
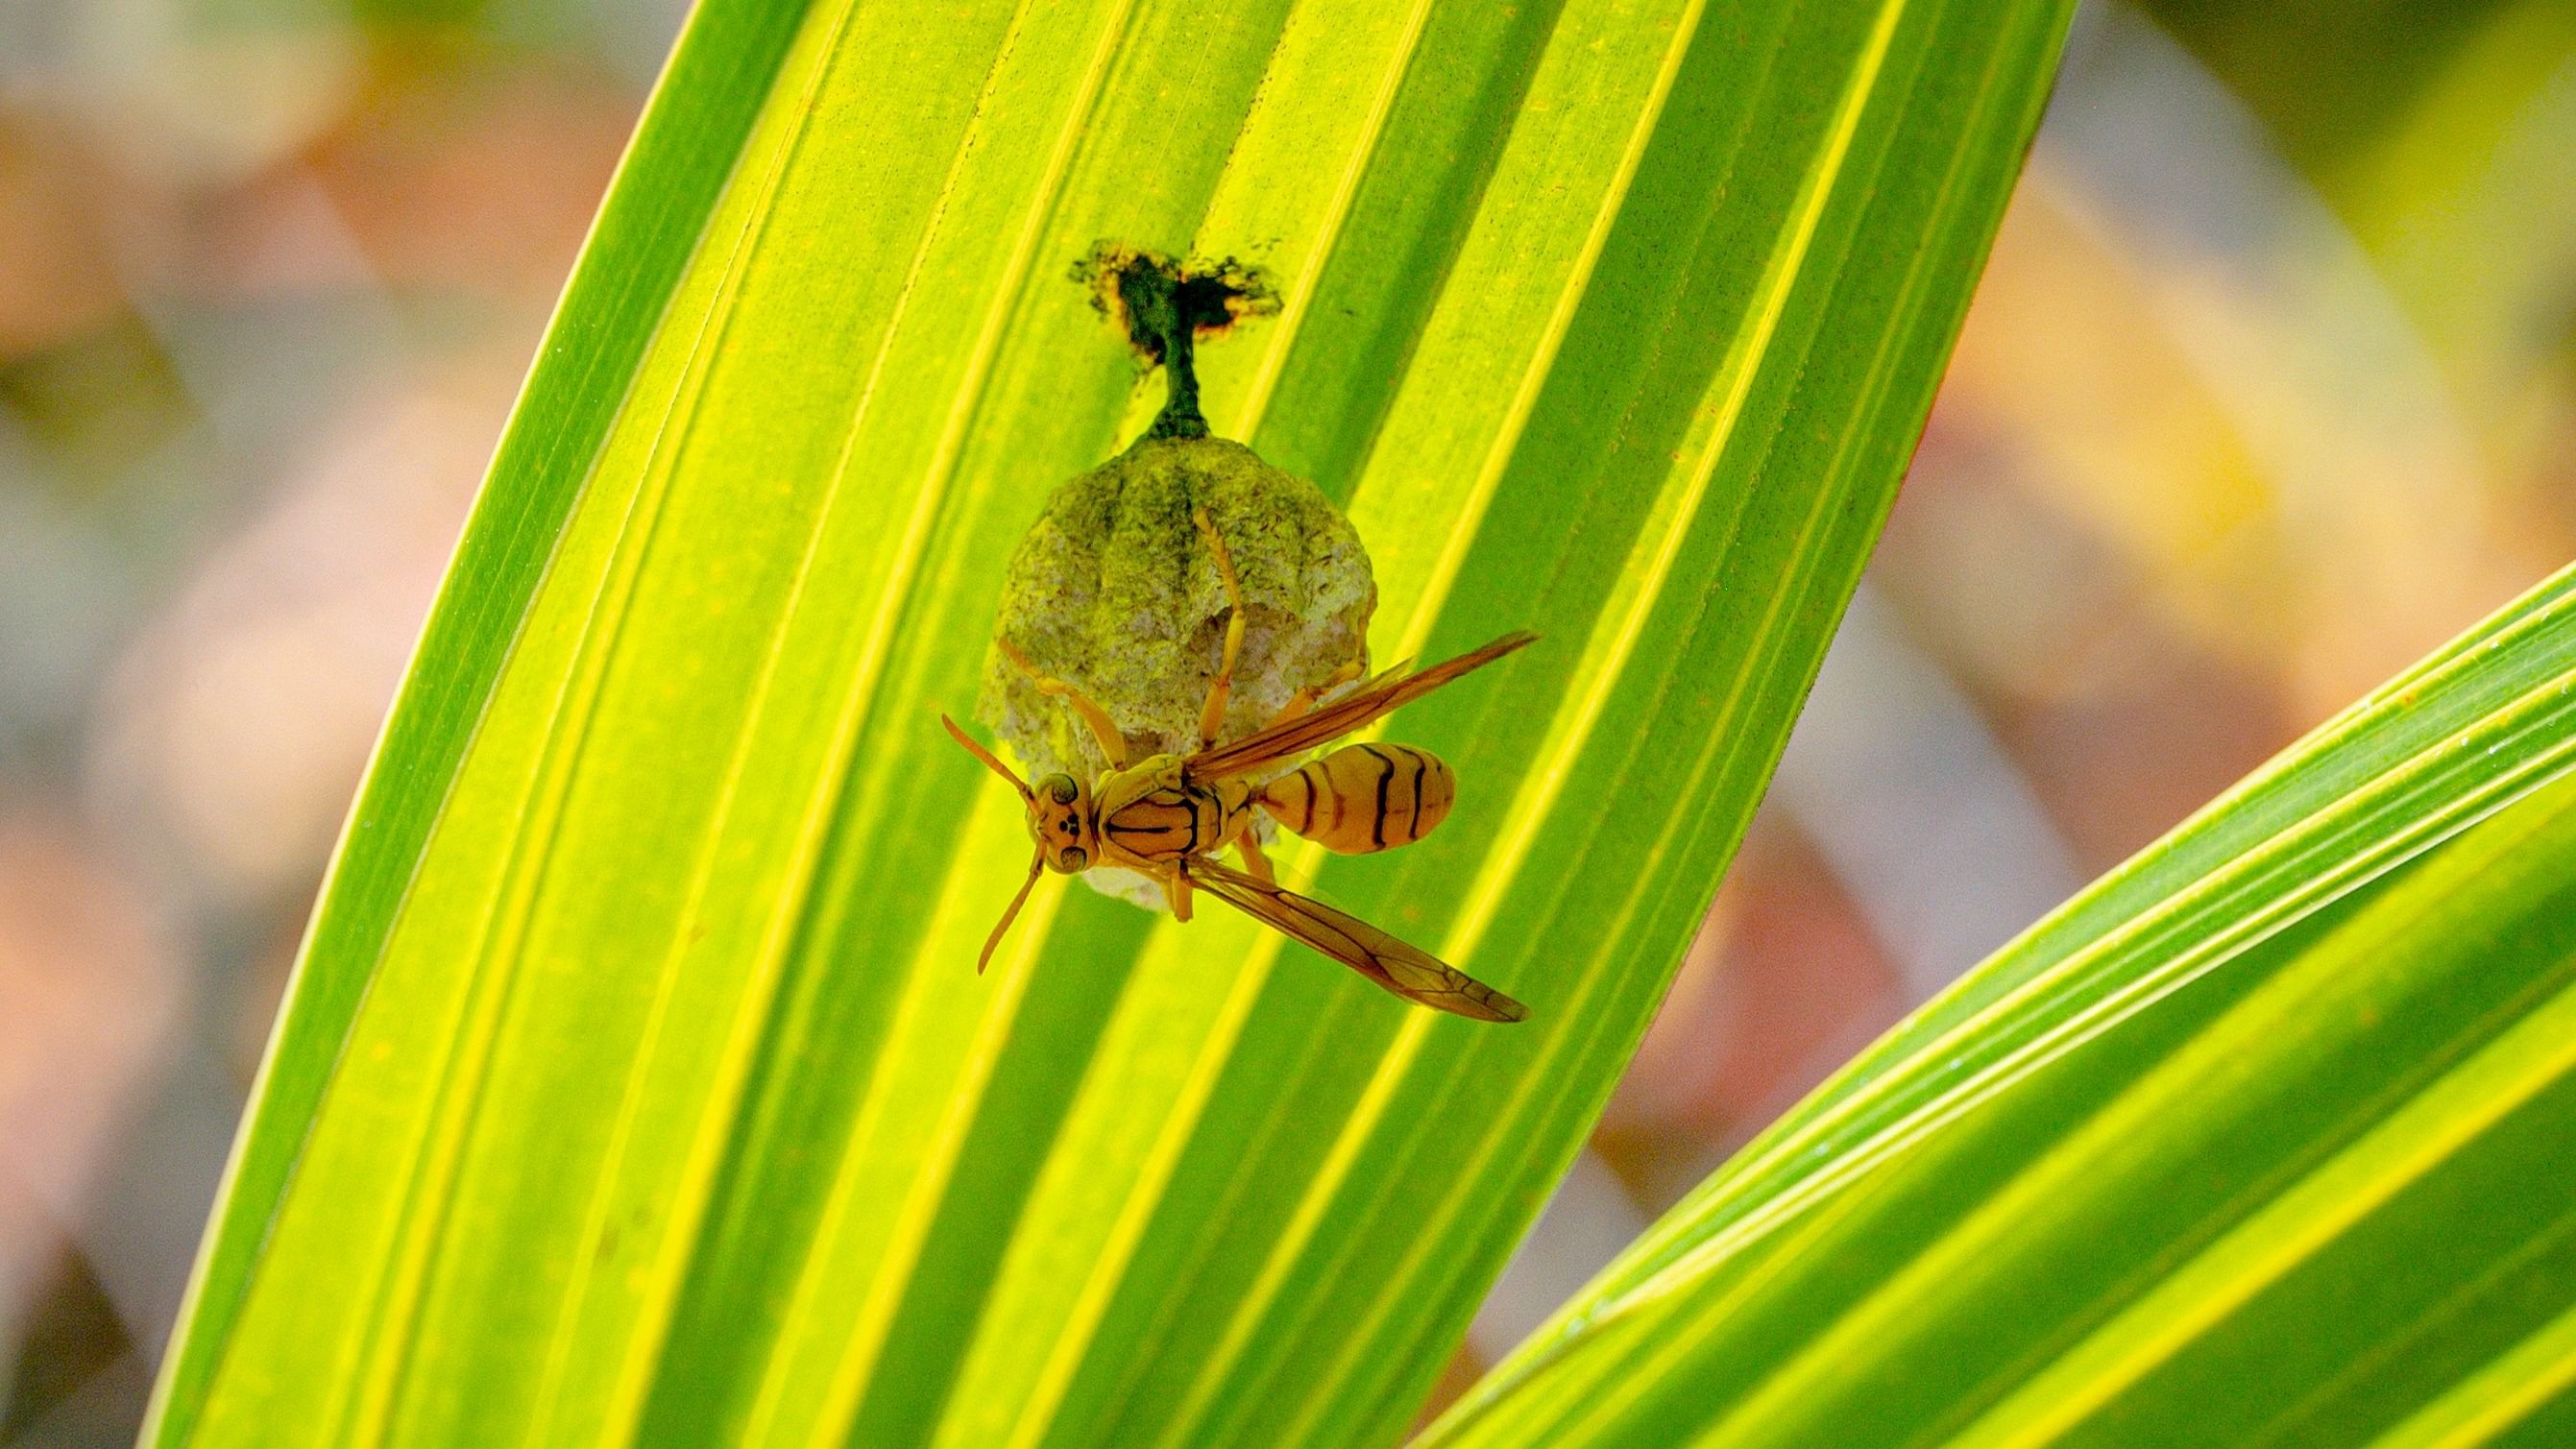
1168	816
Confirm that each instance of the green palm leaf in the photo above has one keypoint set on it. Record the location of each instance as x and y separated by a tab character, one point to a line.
2259	1139
634	1084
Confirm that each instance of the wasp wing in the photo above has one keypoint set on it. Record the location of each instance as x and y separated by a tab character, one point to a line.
1327	722
1408	971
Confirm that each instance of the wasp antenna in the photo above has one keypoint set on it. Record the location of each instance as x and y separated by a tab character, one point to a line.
1010	913
993	764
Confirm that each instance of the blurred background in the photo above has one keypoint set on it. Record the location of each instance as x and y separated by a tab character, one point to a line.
2270	388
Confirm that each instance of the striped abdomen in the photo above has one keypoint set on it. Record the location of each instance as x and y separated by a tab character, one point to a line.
1363	797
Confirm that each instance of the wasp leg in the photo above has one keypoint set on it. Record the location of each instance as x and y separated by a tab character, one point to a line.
1221	690
1255	864
1113	746
1304	699
1176	891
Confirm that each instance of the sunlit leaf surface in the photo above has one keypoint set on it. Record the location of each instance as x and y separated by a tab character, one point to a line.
636	1085
2260	1139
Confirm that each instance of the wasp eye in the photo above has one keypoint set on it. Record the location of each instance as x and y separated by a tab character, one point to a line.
1065	791
1072	859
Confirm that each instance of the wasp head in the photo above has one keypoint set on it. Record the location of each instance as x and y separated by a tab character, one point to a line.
1060	820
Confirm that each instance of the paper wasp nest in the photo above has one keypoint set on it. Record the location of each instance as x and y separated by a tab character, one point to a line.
1113	590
